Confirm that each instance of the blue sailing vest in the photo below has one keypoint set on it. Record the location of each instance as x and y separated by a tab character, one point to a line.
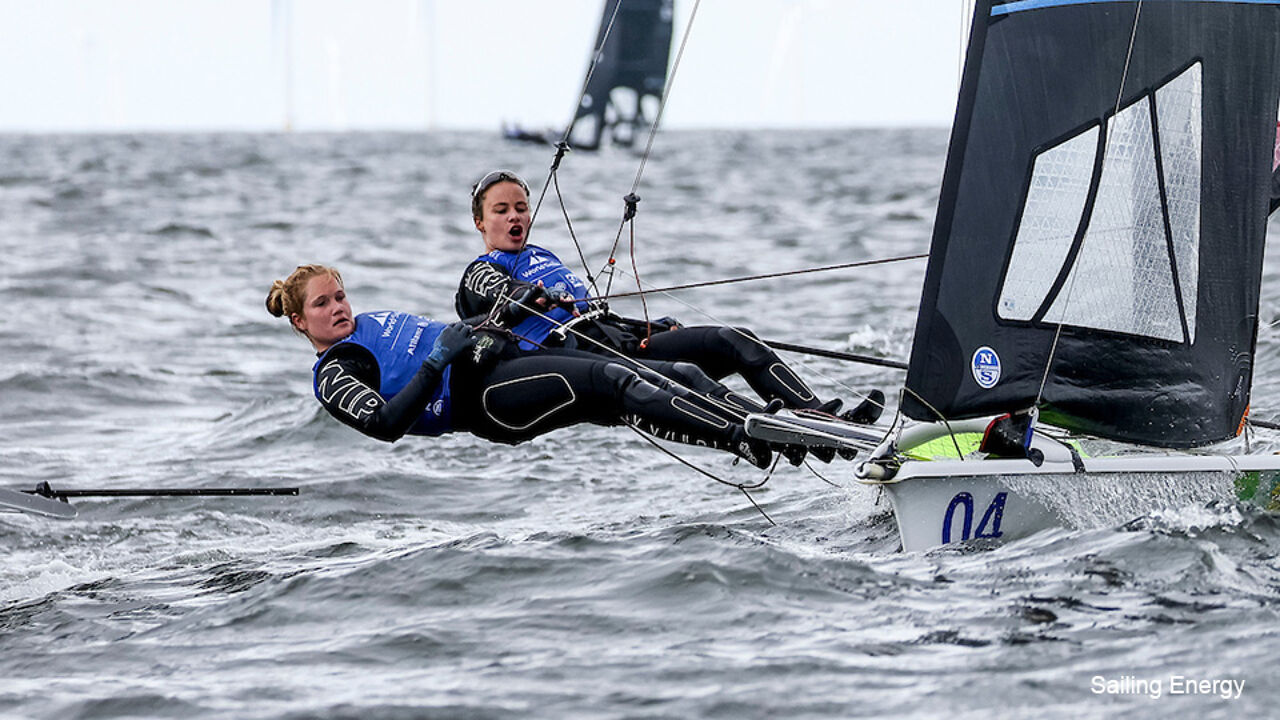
531	265
399	342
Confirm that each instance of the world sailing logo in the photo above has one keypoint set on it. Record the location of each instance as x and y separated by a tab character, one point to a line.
986	367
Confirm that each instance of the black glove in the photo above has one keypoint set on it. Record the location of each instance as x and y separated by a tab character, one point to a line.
524	301
561	297
450	343
488	346
666	323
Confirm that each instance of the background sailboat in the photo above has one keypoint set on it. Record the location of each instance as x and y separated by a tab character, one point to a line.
625	80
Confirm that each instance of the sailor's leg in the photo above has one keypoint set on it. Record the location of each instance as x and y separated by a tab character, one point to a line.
534	394
690	376
685	374
721	351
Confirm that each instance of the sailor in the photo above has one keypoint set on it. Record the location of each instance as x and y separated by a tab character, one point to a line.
388	374
531	278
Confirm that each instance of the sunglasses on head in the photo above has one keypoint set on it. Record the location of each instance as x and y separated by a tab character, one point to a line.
496	177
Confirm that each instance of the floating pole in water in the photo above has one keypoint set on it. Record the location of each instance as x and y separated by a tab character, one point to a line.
44	490
45	500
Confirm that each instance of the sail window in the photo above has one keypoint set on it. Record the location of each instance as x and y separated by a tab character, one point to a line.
1055	200
1122	278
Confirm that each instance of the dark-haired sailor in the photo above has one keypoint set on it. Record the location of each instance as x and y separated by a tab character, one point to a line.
388	374
534	277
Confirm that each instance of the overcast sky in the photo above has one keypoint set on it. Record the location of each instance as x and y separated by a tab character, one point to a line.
460	64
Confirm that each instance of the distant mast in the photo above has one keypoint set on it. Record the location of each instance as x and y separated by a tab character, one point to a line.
427	29
282	44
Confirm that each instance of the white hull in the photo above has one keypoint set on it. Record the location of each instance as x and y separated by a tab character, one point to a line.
940	502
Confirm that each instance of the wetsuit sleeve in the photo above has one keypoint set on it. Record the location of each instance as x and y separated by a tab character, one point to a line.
347	382
483	283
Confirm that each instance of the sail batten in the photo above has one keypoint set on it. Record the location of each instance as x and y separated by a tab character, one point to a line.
1111	236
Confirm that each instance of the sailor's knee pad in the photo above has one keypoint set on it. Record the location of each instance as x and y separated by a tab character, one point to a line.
692	376
521	403
746	345
630	384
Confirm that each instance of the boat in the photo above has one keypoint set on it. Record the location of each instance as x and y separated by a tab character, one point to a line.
1084	346
625	79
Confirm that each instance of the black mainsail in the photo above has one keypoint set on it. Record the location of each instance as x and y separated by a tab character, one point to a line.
1102	217
632	68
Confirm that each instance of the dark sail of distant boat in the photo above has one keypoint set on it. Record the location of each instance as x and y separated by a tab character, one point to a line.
631	72
1105	201
625	85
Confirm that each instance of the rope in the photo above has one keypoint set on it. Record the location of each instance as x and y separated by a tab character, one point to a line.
568	223
562	147
744	487
734	411
632	198
750	338
595	60
766	276
666	91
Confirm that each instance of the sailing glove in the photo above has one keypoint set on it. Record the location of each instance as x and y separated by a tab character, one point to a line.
524	301
450	343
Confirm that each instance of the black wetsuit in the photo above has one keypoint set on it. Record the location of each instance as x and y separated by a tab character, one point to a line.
719	351
513	396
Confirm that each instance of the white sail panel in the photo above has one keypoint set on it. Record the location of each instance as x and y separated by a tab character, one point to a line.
1051	214
1178	116
1122	280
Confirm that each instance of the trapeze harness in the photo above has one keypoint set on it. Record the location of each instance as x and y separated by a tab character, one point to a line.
719	351
361	389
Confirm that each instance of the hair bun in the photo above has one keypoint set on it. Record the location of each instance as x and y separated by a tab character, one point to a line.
275	299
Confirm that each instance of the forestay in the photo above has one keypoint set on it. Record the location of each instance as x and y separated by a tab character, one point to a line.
1102	219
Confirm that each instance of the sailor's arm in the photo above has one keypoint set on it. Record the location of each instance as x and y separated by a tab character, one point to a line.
346	381
484	284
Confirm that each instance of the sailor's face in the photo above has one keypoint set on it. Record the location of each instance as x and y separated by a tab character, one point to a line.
326	314
505	220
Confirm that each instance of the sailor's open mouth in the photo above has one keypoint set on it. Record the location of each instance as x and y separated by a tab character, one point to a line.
516	231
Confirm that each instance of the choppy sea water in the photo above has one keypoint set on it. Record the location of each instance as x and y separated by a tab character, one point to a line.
582	575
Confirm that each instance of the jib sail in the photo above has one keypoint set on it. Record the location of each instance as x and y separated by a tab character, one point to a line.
1102	217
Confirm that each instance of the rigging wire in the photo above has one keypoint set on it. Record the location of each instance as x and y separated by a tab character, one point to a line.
631	201
766	276
562	147
632	198
751	338
1124	75
744	487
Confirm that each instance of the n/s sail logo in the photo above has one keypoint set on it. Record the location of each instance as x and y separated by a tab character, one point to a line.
985	367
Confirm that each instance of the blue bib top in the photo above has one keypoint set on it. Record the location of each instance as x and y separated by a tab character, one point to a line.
399	342
531	265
